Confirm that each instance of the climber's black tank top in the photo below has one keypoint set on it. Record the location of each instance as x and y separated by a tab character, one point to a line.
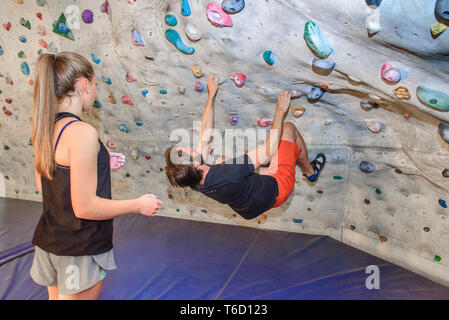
59	231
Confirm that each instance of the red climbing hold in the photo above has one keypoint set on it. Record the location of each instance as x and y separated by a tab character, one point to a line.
148	157
39	15
127	100
264	123
407	116
7	112
8	101
7	26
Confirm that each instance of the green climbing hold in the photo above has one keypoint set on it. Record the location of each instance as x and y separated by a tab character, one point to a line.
177	210
269	57
316	40
426	229
163	91
25	23
21	54
432	98
39	52
5	147
338	177
378	191
437	258
60	27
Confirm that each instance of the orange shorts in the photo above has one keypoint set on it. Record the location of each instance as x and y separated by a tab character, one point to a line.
282	168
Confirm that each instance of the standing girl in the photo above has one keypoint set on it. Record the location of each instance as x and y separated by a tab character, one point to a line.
73	238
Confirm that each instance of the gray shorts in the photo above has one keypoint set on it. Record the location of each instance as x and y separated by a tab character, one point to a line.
71	275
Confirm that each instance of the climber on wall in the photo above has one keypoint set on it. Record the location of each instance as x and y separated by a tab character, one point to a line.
73	239
234	181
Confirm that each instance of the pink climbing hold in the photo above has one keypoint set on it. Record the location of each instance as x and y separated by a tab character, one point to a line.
130	77
217	16
105	7
110	145
127	100
264	123
390	74
239	79
199	87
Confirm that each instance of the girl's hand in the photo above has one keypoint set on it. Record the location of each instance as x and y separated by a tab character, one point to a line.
117	160
212	85
149	205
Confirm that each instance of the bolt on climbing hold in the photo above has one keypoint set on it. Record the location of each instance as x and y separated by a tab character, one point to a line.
87	16
97	104
445	173
173	37
438	29
163	91
95	59
127	100
378	191
367	167
269	57
338	177
390	74
297	111
383	239
124	128
130	77
437	258
402	93
185	8
296	220
316	40
25	68
433	98
442	203
137	39
197	71
111	98
233	6
352	227
105	7
192	32
171	20
426	229
217	16
234	120
239	79
25	23
199	87
7	26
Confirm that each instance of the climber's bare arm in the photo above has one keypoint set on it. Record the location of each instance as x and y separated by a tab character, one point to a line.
38	181
207	120
262	153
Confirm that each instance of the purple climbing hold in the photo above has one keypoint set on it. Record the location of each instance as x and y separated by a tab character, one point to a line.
199	87
88	16
234	121
105	7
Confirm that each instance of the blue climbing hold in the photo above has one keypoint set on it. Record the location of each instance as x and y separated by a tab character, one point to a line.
62	27
95	59
145	92
233	6
203	210
269	57
106	80
127	175
442	203
185	8
139	124
25	68
163	91
22	39
175	39
324	64
375	3
97	104
123	127
315	93
1	51
378	191
367	167
295	220
171	20
442	9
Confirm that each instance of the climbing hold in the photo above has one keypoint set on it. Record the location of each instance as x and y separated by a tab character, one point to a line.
366	105
123	127
145	92
185	8
402	93
367	167
22	39
295	220
367	201
316	40
217	16
9	81
181	90
6	148
163	91
234	121
199	87
438	29
127	100
264	123
233	6
95	59
192	32
171	20
25	68
203	210
378	191
269	57
6	112
373	23
338	177
295	94
426	229
52	48
148	157
239	79
352	227
106	80
315	93
110	144
323	64
175	39
21	54
39	15
25	23
60	28
134	153
105	7
390	74
375	3
297	111
42	31
97	104
18	1
127	175
2	51
442	203
87	16
407	116
445	173
139	124
442	10
437	258
383	239
373	125
197	71
137	39
130	77
435	99
41	3
8	101
7	26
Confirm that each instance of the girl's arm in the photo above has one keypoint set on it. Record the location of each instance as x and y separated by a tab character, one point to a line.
83	149
38	181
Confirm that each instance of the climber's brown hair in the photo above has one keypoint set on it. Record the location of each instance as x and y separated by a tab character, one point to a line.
56	76
179	174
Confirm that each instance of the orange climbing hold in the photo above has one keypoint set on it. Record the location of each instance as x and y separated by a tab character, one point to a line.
43	44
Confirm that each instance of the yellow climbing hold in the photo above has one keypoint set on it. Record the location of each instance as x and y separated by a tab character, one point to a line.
438	29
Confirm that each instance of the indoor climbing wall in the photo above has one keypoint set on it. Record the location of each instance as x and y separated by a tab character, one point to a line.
370	80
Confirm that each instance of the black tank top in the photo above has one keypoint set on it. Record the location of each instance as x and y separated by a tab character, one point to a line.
59	231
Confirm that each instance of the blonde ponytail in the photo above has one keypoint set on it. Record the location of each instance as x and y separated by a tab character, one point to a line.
55	79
